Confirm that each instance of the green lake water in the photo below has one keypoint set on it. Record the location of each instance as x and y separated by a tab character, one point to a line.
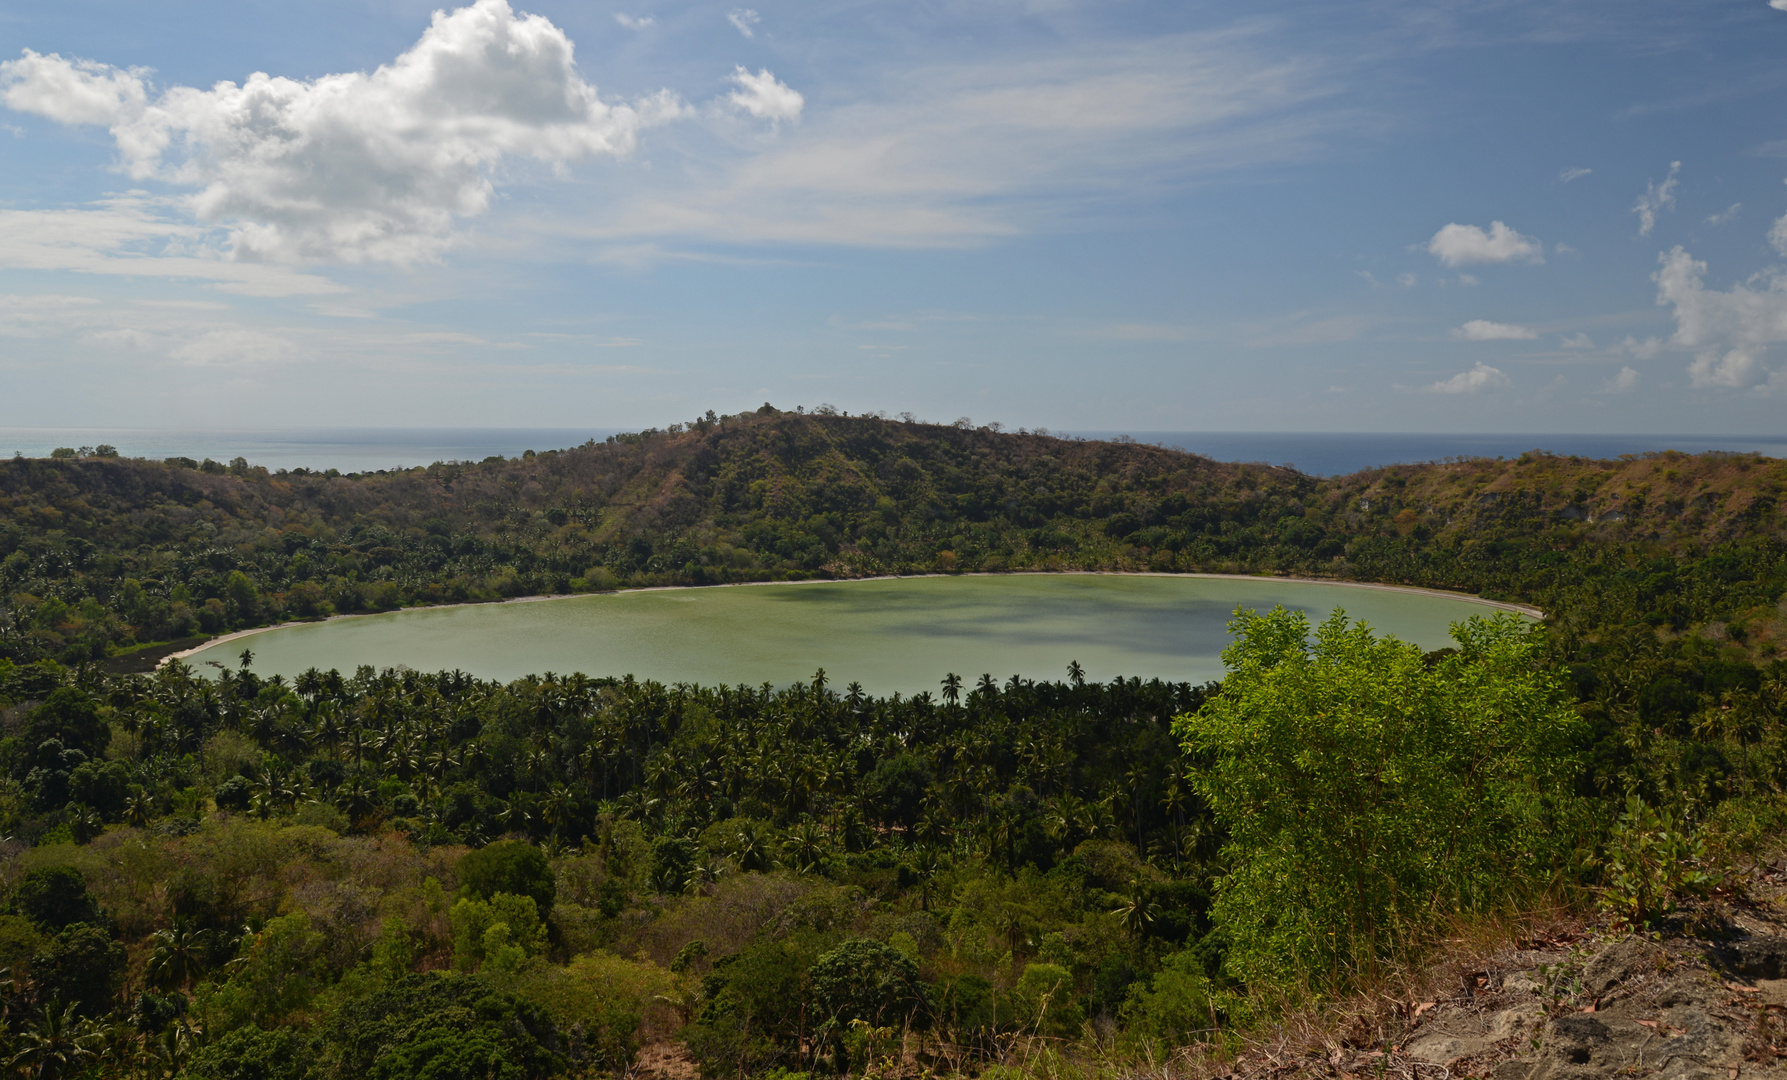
901	634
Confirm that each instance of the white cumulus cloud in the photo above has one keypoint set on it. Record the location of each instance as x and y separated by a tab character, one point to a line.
765	97
1730	329
72	91
1623	383
1657	198
1458	245
1577	341
744	20
1481	377
352	167
1484	330
635	22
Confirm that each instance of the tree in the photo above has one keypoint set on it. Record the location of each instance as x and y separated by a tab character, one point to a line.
1365	790
177	955
60	1043
868	980
249	1053
56	897
509	866
70	717
443	1027
81	966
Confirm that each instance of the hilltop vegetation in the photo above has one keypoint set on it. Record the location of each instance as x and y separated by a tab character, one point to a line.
400	873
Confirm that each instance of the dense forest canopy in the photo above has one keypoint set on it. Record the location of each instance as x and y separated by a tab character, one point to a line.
426	874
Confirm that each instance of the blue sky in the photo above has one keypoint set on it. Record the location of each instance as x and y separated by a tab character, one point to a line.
1373	216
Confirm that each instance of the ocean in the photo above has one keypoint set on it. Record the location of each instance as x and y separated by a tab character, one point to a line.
363	449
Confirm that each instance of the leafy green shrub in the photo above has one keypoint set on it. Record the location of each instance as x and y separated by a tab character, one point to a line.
598	1001
1652	861
868	980
1365	790
1043	1002
1174	1008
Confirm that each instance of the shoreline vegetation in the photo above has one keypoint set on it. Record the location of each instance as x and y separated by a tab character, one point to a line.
400	873
1500	605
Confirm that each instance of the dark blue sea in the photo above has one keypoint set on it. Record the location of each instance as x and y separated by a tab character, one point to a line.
361	449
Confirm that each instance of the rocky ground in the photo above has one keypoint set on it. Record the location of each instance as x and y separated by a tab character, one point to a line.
1703	998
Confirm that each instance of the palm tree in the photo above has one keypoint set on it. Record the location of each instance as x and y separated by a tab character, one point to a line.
805	847
1136	911
557	807
177	955
357	799
62	1044
952	688
139	809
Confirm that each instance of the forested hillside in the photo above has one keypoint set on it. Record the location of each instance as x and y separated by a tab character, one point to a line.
99	554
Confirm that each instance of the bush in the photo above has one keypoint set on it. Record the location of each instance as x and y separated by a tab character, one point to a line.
600	998
69	716
1173	1008
1365	790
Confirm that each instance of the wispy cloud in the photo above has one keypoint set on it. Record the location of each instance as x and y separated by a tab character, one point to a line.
961	154
635	22
1726	216
765	97
744	20
1484	330
1574	172
1318	332
1144	332
1656	198
133	236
